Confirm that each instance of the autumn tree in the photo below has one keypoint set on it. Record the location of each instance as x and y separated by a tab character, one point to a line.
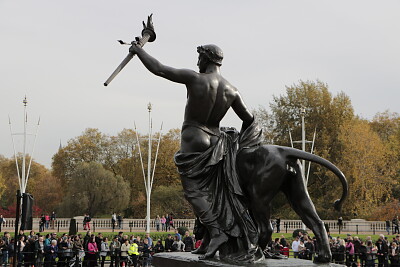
165	175
385	212
120	154
88	147
364	162
387	125
2	185
48	192
324	113
166	171
45	188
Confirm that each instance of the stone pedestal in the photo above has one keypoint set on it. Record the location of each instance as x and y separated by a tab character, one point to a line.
186	259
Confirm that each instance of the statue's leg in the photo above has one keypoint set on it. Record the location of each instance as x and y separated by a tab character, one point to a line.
262	215
204	244
296	192
218	238
263	170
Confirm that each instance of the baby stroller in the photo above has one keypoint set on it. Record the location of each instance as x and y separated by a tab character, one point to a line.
129	260
77	260
141	261
145	261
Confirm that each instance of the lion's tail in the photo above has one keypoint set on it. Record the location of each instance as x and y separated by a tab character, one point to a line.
299	154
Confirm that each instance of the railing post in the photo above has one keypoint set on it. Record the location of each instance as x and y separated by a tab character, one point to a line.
286	227
373	228
357	229
58	226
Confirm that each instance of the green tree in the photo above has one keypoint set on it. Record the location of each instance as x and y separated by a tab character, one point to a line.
170	199
95	190
88	147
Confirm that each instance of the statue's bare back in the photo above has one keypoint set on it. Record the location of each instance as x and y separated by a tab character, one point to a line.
209	98
213	95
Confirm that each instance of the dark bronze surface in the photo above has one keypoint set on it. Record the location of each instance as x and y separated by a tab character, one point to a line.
185	259
227	177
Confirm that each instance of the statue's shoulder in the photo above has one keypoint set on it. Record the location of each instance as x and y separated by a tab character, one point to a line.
229	89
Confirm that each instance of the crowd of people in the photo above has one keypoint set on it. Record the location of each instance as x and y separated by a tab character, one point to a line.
351	251
89	250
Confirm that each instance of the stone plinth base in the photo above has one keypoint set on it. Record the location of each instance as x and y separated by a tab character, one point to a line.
186	259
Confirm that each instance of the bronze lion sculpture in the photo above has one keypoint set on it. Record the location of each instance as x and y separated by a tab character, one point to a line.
268	169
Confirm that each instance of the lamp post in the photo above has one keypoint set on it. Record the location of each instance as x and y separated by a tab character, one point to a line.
148	172
303	147
303	142
303	138
148	181
23	175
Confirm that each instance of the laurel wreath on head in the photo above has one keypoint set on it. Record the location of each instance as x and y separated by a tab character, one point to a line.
211	55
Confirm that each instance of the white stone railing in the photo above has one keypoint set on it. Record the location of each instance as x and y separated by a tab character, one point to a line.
132	225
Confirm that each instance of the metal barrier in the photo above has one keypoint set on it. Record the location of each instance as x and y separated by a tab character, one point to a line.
73	259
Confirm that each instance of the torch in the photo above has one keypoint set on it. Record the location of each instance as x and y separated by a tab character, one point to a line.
148	35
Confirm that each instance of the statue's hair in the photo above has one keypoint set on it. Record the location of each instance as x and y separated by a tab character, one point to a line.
212	52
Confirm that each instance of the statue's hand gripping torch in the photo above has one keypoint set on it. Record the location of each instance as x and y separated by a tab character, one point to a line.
148	35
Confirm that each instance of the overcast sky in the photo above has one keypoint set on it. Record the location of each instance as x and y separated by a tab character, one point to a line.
59	53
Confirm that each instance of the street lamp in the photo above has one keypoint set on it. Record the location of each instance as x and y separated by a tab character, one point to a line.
23	175
303	144
148	181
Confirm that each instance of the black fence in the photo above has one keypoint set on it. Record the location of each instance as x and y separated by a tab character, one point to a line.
71	259
88	259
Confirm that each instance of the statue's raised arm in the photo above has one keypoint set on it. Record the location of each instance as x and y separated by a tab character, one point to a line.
184	76
148	35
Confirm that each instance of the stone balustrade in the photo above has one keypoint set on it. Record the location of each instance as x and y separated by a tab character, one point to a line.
133	225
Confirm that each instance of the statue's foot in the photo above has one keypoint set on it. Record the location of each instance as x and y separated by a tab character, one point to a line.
214	245
199	250
323	257
206	256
